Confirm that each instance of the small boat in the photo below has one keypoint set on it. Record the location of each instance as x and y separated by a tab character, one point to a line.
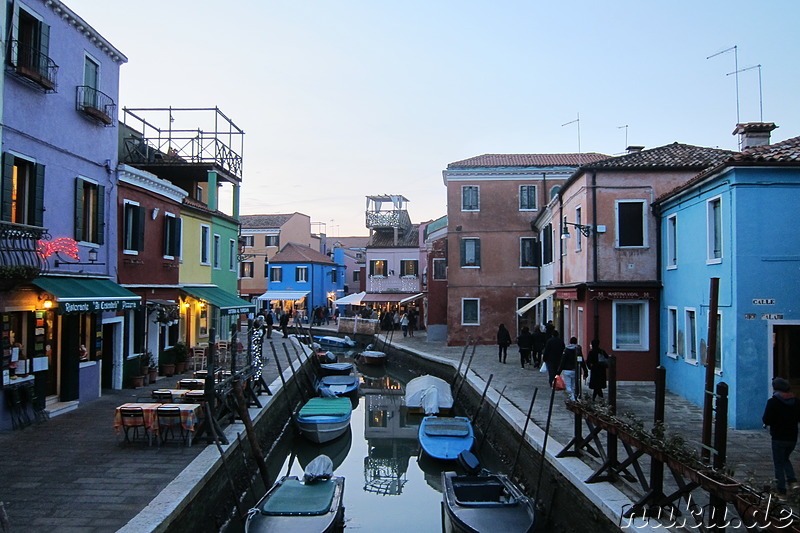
331	386
335	369
329	340
445	438
326	356
373	357
481	501
324	419
313	504
429	395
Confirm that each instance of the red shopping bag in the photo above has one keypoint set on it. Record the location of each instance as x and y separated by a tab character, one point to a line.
558	383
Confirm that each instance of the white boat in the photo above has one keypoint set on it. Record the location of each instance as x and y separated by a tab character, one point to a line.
373	357
330	386
429	395
324	419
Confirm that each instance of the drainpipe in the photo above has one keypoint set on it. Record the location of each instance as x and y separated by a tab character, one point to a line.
596	305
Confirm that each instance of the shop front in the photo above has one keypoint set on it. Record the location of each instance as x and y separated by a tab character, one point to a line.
206	307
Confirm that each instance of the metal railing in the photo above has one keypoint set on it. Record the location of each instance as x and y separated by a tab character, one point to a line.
20	259
95	104
29	63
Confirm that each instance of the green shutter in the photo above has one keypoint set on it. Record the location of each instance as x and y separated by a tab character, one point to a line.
8	172
44	47
78	209
100	214
139	227
477	252
167	234
463	252
38	197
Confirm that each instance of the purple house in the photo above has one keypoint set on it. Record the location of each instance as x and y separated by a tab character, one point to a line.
61	310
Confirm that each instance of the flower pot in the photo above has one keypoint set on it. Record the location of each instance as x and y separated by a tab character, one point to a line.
180	367
721	485
152	374
137	381
168	369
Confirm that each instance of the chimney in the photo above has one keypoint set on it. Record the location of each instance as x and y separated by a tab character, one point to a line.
752	134
634	149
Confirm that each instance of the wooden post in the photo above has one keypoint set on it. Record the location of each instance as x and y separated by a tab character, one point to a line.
711	357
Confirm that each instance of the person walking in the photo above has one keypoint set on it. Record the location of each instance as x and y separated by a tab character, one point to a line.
412	321
781	414
597	362
269	320
284	324
404	324
525	344
571	362
553	350
503	342
539	340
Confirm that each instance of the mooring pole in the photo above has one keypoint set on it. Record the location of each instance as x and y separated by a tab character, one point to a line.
525	427
491	417
711	357
718	504
483	396
466	372
544	447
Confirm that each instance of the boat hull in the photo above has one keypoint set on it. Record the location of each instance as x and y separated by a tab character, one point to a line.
329	518
324	419
372	357
338	385
480	503
445	438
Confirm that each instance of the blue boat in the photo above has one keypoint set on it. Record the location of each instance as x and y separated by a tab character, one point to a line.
339	342
324	419
444	438
329	386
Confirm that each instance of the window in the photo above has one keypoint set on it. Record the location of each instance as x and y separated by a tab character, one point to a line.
527	252
266	268
133	227
440	269
276	274
217	251
356	276
630	223
301	274
718	351
334	275
672	242
470	252
470	198
409	267
231	255
672	332
714	208
246	269
29	48
89	211
172	236
527	197
247	240
137	320
691	336
89	97
22	191
205	244
272	240
377	267
630	325
547	244
470	312
578	234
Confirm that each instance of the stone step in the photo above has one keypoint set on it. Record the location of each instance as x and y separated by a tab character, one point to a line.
59	408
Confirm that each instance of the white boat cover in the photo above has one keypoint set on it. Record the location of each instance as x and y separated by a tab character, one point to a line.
430	401
321	467
417	390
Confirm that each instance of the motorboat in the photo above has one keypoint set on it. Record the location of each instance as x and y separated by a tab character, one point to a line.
333	369
445	437
313	504
481	501
373	357
339	342
324	419
337	385
429	395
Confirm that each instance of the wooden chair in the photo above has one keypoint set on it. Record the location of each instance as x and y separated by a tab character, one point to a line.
168	419
199	359
194	396
133	418
222	354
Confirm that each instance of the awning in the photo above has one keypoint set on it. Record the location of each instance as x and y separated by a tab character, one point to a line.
528	306
88	295
283	295
384	297
412	298
350	299
227	303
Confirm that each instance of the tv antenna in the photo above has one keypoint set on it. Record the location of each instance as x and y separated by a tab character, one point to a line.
578	122
626	134
735	49
760	96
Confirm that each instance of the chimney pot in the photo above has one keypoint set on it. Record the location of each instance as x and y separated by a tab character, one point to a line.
634	149
752	134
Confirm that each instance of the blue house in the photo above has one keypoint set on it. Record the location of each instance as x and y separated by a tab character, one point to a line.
301	278
737	222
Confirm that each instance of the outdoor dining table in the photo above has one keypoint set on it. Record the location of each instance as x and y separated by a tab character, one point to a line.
189	416
177	394
190	383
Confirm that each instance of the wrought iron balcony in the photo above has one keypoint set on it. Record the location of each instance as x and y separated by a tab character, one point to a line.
20	259
29	64
95	104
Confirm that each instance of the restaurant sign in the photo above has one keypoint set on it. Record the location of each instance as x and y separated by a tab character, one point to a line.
95	306
624	295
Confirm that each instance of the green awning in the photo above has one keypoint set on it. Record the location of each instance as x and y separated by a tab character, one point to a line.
227	303
88	295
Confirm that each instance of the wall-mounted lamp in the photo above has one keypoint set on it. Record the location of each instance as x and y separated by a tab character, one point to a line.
92	259
391	272
155	213
185	305
585	230
48	304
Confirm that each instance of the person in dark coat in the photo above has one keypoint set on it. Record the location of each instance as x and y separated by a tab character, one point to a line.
553	349
284	323
503	342
781	414
525	343
539	340
597	361
269	320
572	363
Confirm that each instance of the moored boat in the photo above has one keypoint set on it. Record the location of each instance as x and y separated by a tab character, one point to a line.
324	419
329	340
445	438
329	386
373	357
335	369
428	394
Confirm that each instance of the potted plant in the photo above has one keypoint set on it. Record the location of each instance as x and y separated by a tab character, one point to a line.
167	359
152	366
181	352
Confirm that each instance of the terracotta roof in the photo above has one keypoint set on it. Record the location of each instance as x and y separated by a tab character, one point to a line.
298	253
264	221
349	242
527	160
385	239
671	156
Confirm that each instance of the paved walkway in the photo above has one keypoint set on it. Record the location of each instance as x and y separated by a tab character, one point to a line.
70	474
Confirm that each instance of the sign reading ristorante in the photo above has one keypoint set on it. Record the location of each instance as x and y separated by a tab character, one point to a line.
91	306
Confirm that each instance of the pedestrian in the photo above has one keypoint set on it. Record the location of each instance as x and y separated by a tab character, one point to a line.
396	320
412	321
597	362
284	324
404	324
525	344
553	350
269	320
571	362
781	414
539	340
503	341
296	314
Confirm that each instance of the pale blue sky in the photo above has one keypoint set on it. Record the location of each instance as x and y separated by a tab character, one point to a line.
341	99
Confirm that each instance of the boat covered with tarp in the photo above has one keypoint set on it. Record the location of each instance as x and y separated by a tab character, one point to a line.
429	395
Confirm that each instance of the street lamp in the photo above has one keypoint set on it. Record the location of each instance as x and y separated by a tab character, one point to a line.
585	230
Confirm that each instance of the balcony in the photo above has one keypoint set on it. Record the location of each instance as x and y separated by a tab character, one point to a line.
95	105
31	66
20	259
